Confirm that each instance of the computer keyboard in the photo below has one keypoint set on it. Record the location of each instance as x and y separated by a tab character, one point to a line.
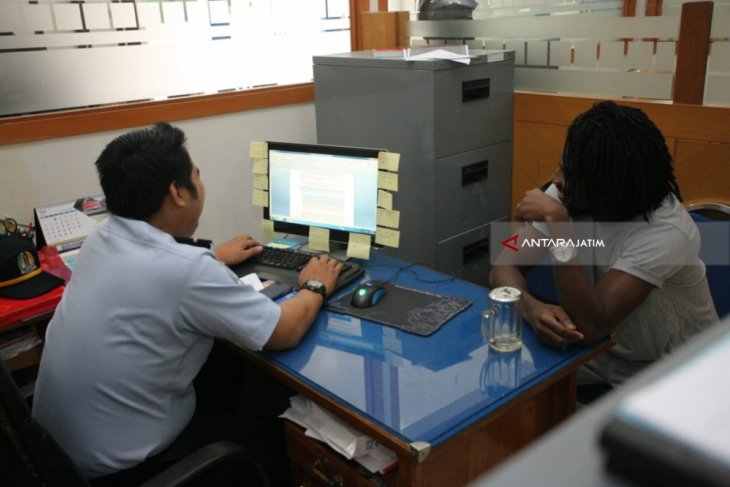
283	258
283	265
287	258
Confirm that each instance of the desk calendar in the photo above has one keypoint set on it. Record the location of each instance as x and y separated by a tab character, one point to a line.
65	225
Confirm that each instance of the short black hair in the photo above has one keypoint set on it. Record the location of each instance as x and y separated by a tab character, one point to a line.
616	164
136	170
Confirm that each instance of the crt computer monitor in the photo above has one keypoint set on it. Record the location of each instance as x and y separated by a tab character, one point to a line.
325	186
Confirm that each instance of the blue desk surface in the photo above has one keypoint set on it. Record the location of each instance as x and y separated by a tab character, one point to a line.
419	388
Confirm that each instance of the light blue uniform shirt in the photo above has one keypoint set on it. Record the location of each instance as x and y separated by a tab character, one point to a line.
134	327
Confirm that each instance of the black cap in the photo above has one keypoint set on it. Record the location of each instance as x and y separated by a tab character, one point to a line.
21	275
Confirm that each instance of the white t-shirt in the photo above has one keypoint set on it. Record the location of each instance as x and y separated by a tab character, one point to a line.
665	254
134	327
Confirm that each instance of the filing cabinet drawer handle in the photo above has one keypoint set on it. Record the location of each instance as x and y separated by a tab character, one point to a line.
476	249
473	173
476	89
319	468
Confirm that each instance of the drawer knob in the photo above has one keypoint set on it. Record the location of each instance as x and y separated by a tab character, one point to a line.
319	468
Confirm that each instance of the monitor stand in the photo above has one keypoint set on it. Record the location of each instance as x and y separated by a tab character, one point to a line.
338	250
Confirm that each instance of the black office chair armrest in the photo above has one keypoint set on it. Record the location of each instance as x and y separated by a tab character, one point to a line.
201	461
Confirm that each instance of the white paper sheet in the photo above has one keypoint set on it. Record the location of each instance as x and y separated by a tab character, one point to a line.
437	54
252	280
341	437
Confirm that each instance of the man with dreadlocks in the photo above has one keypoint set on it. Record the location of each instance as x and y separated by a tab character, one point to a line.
647	284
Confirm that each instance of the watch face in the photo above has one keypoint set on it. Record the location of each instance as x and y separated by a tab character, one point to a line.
315	285
563	254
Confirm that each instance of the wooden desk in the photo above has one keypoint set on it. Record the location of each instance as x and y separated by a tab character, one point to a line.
449	406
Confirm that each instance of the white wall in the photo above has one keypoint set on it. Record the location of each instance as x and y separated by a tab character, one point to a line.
38	173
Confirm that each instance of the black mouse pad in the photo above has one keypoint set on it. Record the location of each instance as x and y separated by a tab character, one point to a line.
409	310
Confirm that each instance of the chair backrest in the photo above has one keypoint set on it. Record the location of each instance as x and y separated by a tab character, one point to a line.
718	276
30	455
541	283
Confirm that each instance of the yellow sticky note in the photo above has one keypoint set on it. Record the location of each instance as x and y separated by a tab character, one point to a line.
260	198
388	180
261	181
385	199
358	246
387	237
261	166
388	161
267	228
258	150
388	218
319	239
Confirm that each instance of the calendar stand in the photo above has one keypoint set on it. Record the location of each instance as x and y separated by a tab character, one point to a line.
65	225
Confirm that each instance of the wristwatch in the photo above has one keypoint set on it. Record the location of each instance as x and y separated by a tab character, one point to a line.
315	286
562	254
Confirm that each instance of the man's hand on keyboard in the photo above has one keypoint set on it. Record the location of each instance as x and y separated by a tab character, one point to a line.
237	249
323	268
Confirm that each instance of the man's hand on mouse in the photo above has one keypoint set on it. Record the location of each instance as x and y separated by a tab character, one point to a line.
323	268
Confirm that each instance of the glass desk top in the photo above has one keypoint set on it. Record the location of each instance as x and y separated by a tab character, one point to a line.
418	388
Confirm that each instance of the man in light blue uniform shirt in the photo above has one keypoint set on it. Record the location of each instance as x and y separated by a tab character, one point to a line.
139	317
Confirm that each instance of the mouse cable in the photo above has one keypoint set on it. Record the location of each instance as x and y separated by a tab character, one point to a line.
409	267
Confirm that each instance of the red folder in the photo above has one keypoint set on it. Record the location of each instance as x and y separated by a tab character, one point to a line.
15	311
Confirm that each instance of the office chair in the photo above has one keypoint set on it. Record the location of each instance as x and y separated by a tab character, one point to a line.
31	457
718	276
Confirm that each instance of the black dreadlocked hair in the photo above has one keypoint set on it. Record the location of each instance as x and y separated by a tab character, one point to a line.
616	164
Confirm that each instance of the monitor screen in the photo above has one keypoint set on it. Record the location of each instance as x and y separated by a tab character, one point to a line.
323	186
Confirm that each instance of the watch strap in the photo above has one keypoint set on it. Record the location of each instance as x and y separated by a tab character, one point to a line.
316	286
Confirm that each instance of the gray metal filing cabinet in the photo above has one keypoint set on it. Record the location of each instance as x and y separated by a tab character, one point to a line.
452	125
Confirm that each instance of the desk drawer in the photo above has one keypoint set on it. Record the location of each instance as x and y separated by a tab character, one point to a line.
314	463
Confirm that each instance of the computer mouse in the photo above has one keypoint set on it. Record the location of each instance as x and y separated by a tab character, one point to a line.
368	293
